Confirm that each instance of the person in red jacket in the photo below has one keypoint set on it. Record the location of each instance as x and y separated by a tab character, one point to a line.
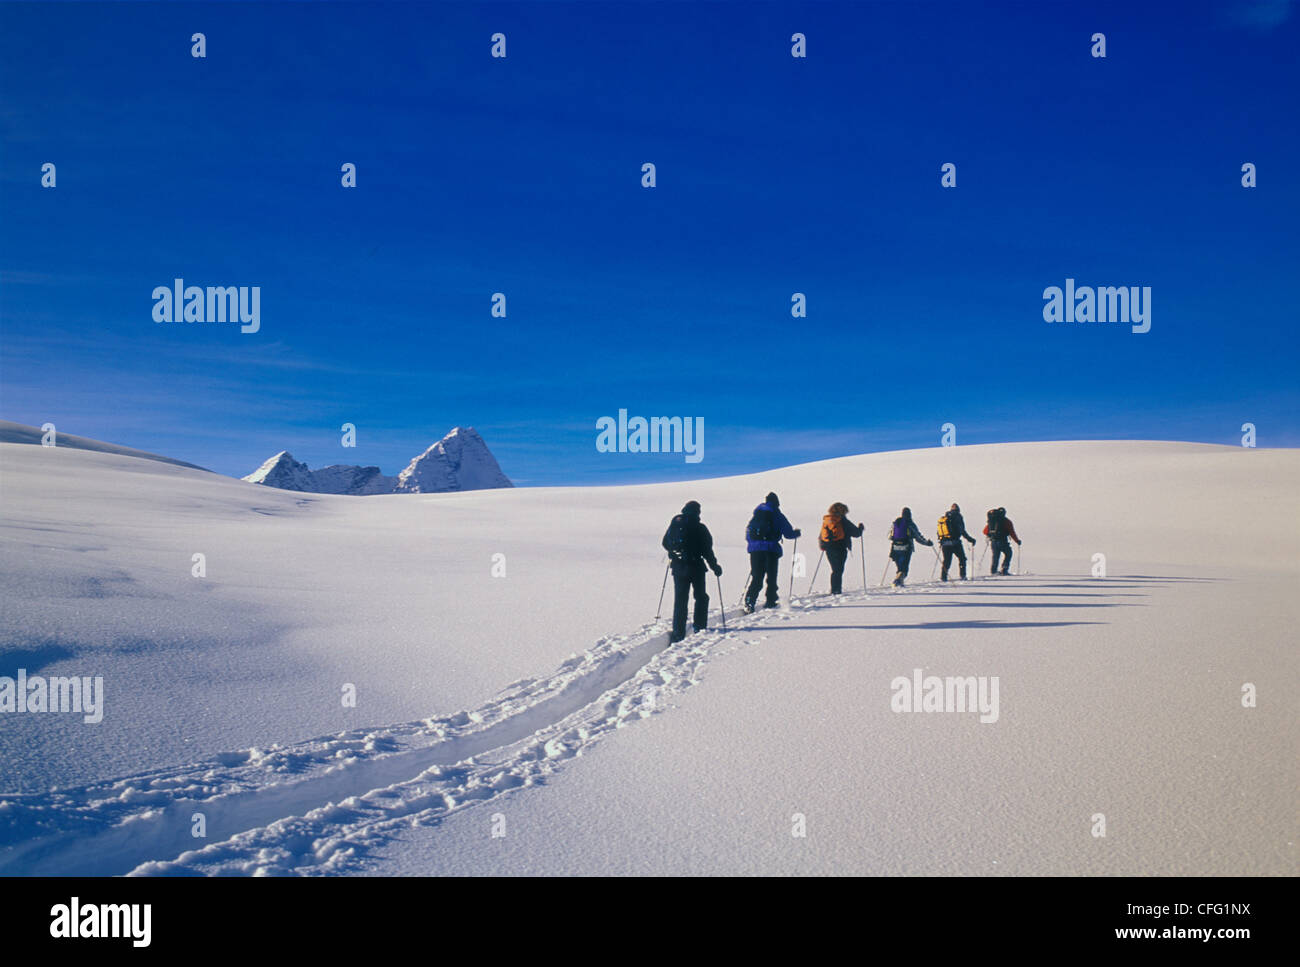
1001	532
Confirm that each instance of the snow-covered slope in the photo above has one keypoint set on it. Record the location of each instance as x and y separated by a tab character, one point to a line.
11	432
491	696
459	461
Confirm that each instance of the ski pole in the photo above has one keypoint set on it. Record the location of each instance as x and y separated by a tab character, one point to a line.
1020	567
794	554
862	556
936	561
661	592
722	602
987	541
815	571
885	571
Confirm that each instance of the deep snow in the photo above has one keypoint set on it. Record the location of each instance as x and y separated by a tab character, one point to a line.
1118	695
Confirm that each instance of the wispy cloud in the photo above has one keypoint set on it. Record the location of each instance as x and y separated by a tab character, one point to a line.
1261	14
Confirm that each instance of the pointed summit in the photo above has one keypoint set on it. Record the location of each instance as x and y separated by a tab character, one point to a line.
459	461
286	473
282	471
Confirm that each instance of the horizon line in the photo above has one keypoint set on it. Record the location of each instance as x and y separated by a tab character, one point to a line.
176	461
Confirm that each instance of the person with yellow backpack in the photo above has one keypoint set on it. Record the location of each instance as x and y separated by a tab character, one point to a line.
952	530
836	540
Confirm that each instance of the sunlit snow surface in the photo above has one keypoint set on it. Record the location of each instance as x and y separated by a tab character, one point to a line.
612	751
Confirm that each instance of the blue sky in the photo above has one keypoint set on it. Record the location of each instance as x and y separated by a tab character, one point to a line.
775	175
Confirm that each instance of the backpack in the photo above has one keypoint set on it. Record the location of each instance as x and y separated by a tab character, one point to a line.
997	525
832	531
900	530
947	529
762	527
675	540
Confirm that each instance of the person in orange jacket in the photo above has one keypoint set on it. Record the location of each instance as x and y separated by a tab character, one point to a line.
1001	532
836	539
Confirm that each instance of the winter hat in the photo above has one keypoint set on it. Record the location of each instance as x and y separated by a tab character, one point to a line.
691	508
956	508
1002	510
773	500
907	512
838	510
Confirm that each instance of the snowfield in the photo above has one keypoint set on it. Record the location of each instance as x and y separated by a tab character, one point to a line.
539	722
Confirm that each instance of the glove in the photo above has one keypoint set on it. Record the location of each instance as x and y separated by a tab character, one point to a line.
798	533
972	541
1019	542
717	569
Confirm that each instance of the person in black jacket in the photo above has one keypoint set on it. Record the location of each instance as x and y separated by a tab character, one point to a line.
836	540
1001	532
952	543
901	545
690	545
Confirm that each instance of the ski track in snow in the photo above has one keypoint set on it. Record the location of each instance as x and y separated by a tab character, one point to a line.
314	807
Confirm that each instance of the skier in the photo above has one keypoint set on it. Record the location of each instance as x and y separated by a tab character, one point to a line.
836	540
689	545
763	537
998	529
952	530
901	546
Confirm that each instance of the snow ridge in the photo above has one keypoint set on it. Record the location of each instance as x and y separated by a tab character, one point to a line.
11	432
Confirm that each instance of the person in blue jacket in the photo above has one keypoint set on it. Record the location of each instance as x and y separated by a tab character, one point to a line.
763	536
